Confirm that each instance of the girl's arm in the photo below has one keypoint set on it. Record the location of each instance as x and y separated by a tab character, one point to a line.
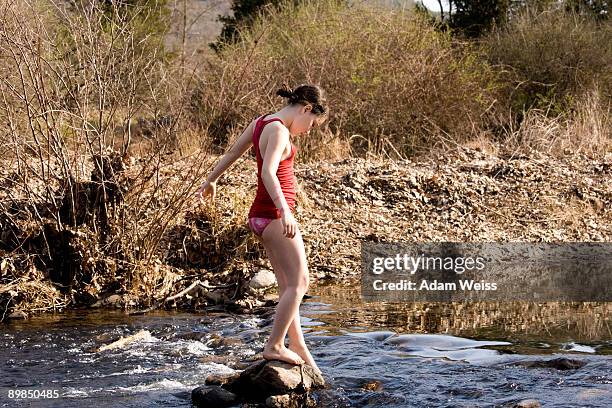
242	144
277	141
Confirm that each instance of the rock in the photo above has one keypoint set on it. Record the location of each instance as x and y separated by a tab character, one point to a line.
263	279
124	341
219	341
215	297
265	378
18	314
213	396
290	401
212	358
528	403
279	401
372	385
561	363
219	379
112	300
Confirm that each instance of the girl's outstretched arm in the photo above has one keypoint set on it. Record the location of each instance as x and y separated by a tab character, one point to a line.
242	144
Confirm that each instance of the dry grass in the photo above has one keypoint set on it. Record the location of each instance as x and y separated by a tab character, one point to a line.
549	57
586	129
389	76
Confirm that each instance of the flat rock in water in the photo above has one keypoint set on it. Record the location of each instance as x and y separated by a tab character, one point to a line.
218	379
265	378
212	396
124	341
558	363
112	300
18	314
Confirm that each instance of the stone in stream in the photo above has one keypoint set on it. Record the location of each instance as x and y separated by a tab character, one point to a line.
263	279
124	341
264	379
561	363
219	379
528	403
290	401
213	396
372	385
216	340
112	301
274	377
18	314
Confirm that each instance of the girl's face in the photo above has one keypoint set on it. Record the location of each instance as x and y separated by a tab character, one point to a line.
305	120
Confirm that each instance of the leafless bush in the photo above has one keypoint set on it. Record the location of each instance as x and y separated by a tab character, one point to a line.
73	80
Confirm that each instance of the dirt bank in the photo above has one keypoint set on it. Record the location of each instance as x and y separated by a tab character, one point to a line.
468	196
206	259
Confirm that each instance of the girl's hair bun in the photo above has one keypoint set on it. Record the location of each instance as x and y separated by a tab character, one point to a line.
286	92
305	94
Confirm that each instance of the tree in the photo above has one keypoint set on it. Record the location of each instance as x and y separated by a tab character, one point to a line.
474	17
243	14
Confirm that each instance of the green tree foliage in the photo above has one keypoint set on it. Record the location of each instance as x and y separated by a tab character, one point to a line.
474	17
244	13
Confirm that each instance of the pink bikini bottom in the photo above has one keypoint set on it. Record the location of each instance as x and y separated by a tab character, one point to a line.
259	224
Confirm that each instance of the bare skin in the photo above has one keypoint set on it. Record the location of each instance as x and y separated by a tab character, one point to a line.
282	353
281	238
297	344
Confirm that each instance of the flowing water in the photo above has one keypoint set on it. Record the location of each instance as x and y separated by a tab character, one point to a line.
372	355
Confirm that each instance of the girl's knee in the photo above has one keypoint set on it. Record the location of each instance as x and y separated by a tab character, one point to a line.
303	288
305	279
300	287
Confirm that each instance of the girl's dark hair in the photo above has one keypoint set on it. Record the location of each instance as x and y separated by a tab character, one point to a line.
306	94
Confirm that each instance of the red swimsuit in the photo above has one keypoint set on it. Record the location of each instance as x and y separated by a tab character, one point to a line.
263	210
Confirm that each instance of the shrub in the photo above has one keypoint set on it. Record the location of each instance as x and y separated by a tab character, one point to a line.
243	14
548	58
390	77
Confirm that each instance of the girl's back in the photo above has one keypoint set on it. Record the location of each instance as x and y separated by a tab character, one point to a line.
263	206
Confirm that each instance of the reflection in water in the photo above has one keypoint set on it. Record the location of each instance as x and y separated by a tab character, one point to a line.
520	321
372	355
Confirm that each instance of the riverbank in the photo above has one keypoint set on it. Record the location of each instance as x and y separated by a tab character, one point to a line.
208	257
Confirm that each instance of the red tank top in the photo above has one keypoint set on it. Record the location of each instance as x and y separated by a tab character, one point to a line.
263	206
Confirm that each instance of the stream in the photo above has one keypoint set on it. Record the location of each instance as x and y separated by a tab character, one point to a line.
372	355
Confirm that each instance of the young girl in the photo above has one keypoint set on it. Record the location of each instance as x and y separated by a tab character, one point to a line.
270	216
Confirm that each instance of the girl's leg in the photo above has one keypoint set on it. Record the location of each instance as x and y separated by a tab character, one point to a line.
295	334
289	256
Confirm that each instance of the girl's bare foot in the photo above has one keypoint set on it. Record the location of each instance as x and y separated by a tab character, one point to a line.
302	351
282	353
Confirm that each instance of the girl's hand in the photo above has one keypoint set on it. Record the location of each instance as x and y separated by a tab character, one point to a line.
207	188
289	223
